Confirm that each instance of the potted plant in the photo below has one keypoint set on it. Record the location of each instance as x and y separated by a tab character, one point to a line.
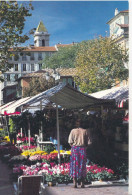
51	180
49	148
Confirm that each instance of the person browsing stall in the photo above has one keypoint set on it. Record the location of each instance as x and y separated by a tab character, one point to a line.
79	139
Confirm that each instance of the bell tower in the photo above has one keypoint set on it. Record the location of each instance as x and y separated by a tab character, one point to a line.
41	36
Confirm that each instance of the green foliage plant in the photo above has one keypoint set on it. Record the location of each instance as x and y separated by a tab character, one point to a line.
12	20
64	58
49	148
38	85
100	63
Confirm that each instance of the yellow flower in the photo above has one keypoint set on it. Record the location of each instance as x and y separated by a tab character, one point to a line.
7	138
54	151
68	152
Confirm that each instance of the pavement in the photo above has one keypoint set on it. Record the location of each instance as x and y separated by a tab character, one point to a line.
63	189
6	187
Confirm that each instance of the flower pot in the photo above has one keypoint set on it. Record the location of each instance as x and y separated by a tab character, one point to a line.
51	183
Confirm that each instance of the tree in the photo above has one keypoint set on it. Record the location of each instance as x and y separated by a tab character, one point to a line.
99	64
12	21
65	58
38	85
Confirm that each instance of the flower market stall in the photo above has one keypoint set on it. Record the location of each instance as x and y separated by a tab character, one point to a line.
59	105
117	115
32	161
63	95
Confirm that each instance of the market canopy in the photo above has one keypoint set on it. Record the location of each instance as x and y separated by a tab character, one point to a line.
120	94
11	106
65	96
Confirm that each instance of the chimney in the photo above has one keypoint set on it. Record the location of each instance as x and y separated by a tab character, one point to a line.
116	11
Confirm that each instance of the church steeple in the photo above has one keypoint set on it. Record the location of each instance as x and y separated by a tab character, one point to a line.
41	27
41	36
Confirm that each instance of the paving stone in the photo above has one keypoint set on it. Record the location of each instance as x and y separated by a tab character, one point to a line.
69	190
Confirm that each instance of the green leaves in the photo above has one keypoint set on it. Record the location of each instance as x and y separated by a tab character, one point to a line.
12	21
64	58
38	85
99	63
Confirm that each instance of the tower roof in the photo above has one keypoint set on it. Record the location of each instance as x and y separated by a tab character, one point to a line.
41	27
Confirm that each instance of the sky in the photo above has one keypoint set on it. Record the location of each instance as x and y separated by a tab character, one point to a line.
73	21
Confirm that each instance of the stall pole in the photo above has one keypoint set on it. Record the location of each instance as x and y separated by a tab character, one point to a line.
102	118
41	125
21	132
58	134
28	132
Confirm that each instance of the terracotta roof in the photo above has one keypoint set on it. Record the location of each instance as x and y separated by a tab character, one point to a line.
123	25
64	45
64	72
33	74
124	11
67	71
33	48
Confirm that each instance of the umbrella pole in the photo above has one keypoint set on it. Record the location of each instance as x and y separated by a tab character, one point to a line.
58	134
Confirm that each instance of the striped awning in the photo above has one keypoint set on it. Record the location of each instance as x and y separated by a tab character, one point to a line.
119	94
64	95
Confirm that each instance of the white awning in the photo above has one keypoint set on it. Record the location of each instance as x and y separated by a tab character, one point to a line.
118	93
65	96
11	106
4	107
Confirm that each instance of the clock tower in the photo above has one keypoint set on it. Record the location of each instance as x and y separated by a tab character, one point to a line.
41	36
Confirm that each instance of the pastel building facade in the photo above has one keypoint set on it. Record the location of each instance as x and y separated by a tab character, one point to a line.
119	30
27	61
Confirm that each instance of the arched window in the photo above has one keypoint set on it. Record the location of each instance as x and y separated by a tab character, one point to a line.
43	42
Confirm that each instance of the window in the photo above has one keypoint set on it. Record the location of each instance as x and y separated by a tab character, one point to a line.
16	67
8	77
40	66
24	57
46	53
32	56
43	42
70	81
40	56
16	57
24	67
16	76
32	67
